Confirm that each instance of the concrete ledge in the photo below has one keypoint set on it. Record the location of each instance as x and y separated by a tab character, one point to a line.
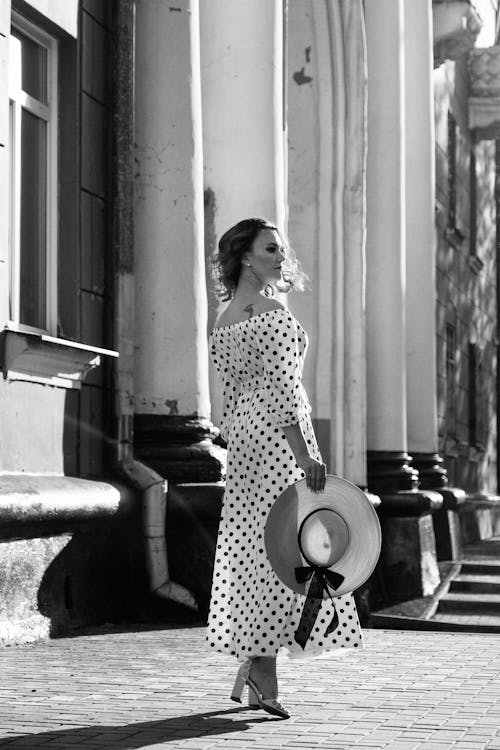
71	554
406	503
34	506
453	497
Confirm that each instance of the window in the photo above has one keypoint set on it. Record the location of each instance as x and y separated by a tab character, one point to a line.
477	403
33	177
455	216
451	380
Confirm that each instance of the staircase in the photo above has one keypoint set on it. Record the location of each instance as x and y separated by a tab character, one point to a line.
467	600
473	597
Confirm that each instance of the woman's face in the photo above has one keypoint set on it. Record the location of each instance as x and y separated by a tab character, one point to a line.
267	255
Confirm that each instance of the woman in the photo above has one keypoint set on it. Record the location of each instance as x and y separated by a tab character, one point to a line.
258	349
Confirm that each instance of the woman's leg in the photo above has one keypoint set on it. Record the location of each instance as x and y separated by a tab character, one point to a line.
263	672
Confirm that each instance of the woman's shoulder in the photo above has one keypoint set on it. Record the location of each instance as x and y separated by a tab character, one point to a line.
258	307
268	305
268	312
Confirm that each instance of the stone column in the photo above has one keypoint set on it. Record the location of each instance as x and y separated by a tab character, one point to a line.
326	86
243	123
243	117
4	161
421	375
408	556
421	380
171	373
386	248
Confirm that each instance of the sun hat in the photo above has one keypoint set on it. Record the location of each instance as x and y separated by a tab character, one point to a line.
322	545
335	533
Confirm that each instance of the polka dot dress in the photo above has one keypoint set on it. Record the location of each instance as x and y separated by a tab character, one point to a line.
260	361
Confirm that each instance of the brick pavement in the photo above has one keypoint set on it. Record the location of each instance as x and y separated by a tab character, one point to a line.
162	689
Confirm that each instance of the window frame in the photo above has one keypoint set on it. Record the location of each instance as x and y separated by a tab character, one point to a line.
18	100
452	155
473	390
473	202
477	401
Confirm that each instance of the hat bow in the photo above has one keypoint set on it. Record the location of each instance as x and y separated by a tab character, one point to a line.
323	580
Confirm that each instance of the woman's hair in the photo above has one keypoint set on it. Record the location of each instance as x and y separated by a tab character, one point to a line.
235	243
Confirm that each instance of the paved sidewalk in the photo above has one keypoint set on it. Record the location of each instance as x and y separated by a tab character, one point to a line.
162	689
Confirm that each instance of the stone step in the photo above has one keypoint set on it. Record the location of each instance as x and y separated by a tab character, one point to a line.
465	622
482	567
475	584
449	622
470	604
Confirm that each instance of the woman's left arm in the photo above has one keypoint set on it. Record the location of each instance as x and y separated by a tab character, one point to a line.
280	350
314	470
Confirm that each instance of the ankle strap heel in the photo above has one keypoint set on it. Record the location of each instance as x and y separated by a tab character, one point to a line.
241	681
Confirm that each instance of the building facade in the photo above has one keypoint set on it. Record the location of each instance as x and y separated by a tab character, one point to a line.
132	134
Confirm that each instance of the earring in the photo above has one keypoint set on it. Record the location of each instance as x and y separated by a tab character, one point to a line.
249	265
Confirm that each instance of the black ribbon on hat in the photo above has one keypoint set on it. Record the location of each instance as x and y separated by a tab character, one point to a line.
323	580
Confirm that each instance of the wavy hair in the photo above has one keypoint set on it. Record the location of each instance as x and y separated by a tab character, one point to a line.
235	243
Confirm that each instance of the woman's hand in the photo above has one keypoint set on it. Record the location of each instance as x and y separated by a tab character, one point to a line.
314	470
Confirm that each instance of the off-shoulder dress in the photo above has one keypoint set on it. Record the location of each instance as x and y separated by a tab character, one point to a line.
260	361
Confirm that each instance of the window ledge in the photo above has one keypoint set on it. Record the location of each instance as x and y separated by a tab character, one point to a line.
41	358
33	506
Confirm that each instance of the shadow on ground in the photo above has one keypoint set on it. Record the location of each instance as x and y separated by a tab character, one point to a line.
143	734
142	626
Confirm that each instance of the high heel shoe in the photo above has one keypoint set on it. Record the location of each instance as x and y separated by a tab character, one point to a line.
255	699
271	705
239	686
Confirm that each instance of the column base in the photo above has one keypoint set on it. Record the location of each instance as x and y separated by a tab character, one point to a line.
180	448
408	558
432	475
390	471
408	561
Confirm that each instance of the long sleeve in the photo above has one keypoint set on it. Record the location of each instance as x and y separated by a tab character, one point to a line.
281	354
230	392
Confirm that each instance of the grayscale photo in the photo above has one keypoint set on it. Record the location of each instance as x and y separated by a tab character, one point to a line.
249	391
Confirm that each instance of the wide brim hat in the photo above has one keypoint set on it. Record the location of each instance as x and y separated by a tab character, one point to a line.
336	530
